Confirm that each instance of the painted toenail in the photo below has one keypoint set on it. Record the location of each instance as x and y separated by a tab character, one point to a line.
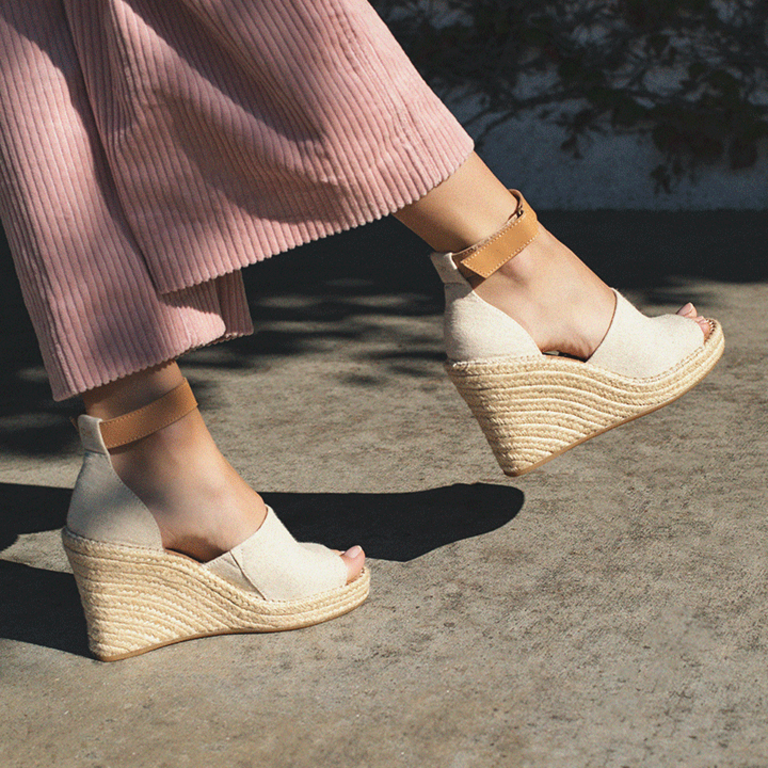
687	308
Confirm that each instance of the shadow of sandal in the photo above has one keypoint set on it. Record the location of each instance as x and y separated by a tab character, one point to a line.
30	509
37	606
41	608
398	526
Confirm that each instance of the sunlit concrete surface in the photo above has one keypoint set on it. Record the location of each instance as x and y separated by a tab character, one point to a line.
607	610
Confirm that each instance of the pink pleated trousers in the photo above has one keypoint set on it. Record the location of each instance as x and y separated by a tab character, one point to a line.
149	149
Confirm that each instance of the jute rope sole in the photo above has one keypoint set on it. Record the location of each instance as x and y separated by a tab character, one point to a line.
532	409
136	599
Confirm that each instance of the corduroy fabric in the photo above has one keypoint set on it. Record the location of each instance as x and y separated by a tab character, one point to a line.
96	311
149	149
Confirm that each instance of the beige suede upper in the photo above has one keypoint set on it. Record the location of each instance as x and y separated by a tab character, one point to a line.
277	566
635	345
641	347
271	562
473	328
102	507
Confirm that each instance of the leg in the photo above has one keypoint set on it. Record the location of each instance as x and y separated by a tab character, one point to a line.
202	506
562	304
106	332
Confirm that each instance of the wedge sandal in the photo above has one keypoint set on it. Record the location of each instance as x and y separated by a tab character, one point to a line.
533	407
137	596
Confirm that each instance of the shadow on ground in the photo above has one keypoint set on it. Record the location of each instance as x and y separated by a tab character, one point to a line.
41	607
337	290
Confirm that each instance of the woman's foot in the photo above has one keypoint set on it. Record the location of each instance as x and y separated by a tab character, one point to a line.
202	506
561	302
546	287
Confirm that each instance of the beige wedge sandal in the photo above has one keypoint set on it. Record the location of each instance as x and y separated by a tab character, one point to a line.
532	406
137	596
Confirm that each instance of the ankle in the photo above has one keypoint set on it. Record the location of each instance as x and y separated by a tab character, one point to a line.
180	475
470	229
551	293
181	454
165	455
132	392
466	208
174	448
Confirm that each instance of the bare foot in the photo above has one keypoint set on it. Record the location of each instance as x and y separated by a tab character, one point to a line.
202	506
561	302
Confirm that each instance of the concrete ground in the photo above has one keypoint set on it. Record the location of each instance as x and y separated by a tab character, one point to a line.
607	610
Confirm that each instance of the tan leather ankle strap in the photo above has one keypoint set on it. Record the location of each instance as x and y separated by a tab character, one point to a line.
488	255
144	421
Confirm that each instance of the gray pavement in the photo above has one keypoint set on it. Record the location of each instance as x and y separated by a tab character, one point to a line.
606	610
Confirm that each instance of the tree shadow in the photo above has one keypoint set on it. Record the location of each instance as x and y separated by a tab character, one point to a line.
42	607
338	291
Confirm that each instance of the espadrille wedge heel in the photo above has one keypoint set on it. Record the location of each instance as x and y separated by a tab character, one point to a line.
137	596
533	407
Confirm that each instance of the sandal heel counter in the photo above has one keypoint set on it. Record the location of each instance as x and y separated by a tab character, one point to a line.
102	507
473	329
476	330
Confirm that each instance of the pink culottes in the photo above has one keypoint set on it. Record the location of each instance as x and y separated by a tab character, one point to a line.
149	149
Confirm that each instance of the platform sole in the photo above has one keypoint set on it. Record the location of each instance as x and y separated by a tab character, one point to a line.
137	599
532	409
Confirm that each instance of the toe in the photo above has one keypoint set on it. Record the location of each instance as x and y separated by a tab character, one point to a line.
688	311
354	559
706	328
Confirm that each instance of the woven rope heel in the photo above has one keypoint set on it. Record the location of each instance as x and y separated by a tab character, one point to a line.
137	599
137	596
532	409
